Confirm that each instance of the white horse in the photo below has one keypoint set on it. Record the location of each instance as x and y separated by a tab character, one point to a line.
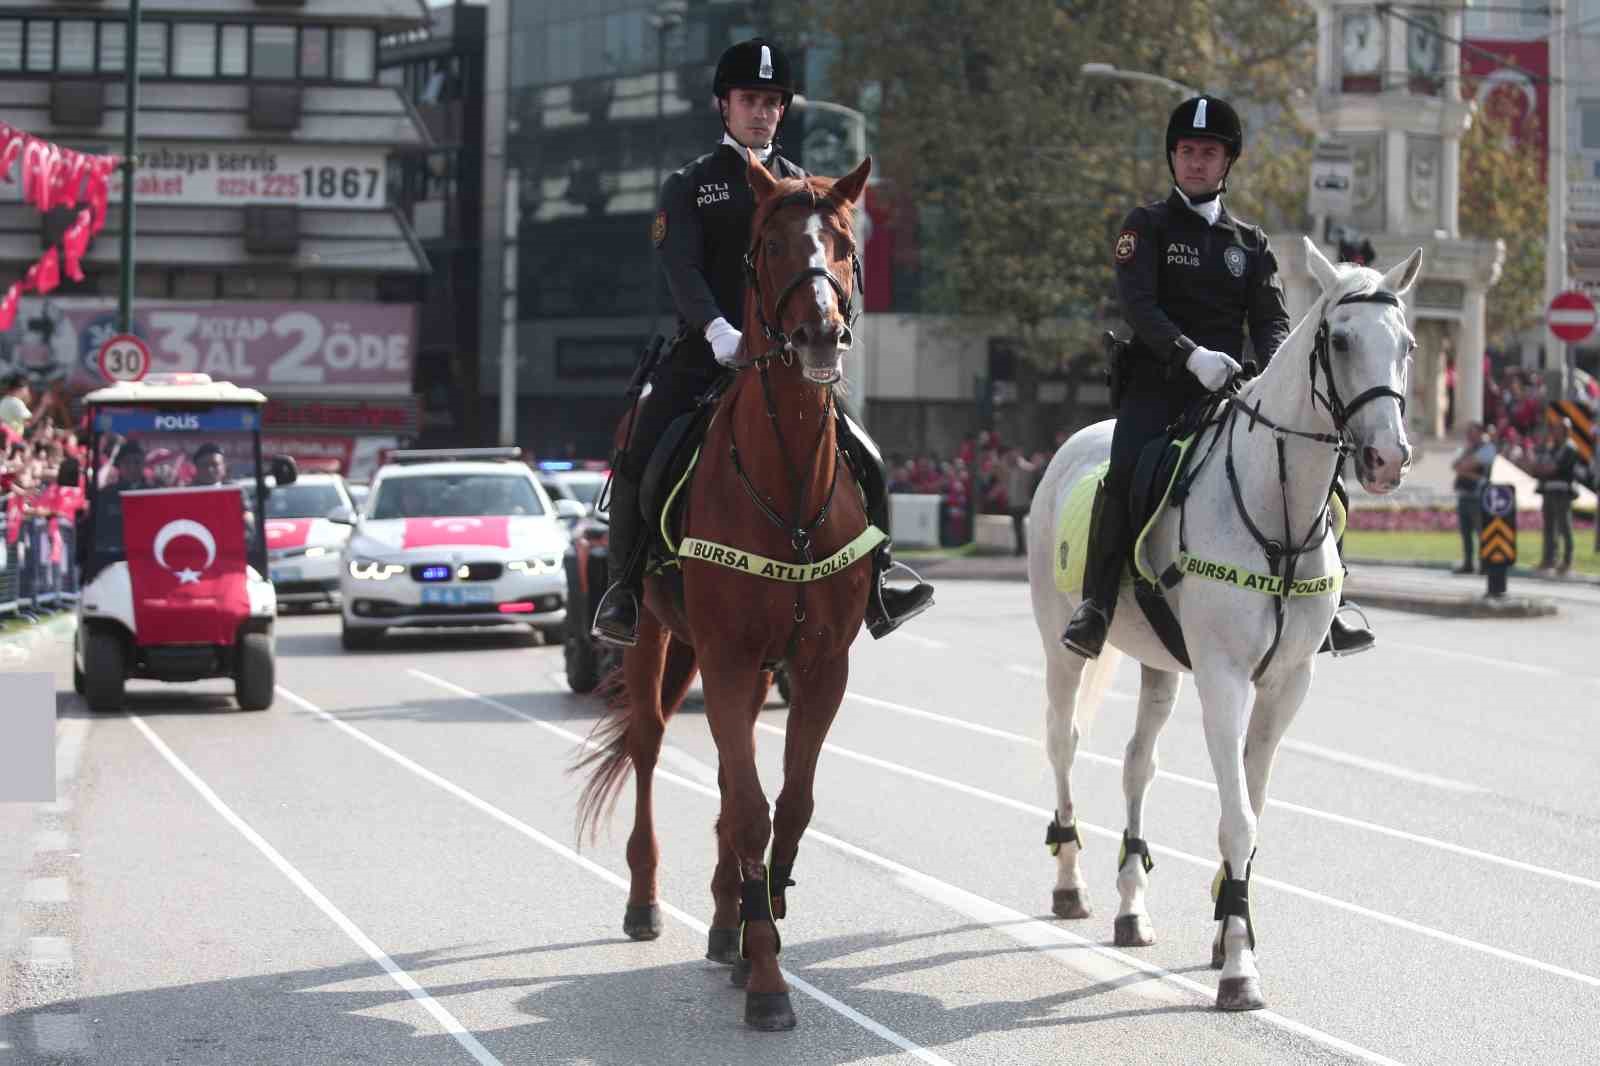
1356	343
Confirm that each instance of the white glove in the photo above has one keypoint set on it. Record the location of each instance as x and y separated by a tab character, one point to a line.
724	343
1212	368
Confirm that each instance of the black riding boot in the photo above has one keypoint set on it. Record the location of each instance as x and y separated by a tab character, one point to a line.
1344	639
617	619
887	608
1102	577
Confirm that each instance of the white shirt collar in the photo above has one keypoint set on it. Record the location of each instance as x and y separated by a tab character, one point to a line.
1211	210
763	154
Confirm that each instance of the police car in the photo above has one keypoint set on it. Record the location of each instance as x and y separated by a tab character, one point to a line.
307	526
454	538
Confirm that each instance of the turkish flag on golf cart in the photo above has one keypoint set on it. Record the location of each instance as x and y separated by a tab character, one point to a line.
186	559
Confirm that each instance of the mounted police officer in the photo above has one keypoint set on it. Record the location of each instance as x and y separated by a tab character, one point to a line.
1191	279
701	234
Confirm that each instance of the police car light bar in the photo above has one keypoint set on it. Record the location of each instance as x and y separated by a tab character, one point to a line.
187	378
455	455
556	465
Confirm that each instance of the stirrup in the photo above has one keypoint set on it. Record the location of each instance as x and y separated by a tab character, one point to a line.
615	637
898	565
1366	627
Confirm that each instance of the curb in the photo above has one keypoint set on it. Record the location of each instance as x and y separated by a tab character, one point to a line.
17	648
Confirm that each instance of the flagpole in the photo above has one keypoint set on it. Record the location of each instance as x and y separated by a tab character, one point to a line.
130	114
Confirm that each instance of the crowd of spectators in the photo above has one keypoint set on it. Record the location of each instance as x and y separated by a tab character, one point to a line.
41	490
1515	402
985	476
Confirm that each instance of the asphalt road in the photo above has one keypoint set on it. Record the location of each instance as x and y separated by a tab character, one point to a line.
383	867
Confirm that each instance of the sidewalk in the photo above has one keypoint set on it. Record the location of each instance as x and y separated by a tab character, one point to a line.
1418	588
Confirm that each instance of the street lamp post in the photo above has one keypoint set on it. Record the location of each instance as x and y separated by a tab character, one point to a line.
1106	70
668	16
130	118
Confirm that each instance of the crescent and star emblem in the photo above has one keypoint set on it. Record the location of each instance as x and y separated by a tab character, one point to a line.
185	527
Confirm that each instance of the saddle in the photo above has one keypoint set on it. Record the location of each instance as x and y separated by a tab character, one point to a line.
671	462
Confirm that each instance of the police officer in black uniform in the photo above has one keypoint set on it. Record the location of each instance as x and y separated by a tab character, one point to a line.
1191	280
701	234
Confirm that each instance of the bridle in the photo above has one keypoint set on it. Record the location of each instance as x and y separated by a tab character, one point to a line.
774	333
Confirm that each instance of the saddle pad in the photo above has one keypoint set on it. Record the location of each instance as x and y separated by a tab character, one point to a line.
1181	447
1072	530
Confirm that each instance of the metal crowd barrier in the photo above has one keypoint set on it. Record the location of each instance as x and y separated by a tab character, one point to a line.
32	579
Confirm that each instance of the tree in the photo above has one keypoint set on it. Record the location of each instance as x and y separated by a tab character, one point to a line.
1503	195
1022	168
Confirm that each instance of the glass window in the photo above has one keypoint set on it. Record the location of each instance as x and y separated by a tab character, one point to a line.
194	50
314	52
235	49
152	48
624	48
41	44
77	45
565	49
10	44
1590	110
354	54
272	52
113	45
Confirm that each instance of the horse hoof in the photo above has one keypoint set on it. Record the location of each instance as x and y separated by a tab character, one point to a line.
1240	993
1218	955
770	1012
642	921
1068	903
722	945
740	975
1132	931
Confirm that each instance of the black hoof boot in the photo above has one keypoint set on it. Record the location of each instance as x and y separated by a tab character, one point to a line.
770	1012
740	975
1086	631
890	608
1068	903
617	620
722	945
642	921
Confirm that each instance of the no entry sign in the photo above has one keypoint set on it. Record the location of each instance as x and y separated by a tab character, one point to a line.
1571	316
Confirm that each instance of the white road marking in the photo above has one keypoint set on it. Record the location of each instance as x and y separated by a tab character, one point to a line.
1276	804
1479	660
1013	923
1038	675
550	844
923	642
445	1019
1210	864
1388	769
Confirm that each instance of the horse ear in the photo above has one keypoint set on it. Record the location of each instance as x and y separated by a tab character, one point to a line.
1399	279
848	188
1324	271
762	183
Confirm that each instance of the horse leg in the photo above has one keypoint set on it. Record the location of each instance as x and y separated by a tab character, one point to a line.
734	691
1063	673
643	666
813	702
1158	691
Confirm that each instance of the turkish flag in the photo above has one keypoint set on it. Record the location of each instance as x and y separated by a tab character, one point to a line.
288	532
486	531
186	558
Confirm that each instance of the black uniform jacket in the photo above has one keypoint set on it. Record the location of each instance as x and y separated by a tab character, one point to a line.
702	232
1185	283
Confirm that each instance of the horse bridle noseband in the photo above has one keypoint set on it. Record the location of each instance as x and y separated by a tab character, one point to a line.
847	307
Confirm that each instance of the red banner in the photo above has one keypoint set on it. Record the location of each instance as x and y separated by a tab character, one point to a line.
488	531
187	559
287	532
1511	83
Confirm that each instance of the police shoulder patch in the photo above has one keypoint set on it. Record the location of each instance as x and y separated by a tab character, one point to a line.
1127	243
658	229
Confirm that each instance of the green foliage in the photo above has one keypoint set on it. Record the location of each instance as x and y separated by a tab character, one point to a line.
1503	195
1021	167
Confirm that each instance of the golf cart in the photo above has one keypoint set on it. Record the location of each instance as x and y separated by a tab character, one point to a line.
172	551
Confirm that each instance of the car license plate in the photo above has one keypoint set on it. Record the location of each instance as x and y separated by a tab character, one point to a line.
285	573
457	595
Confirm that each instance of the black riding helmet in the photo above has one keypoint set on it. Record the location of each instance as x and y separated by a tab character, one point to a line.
754	64
1209	117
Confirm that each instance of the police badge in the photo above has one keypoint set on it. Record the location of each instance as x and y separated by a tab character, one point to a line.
658	229
1233	259
1127	241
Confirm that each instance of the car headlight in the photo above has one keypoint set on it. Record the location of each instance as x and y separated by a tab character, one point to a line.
543	564
373	570
316	553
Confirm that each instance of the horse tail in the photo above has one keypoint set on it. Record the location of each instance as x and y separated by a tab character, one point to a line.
605	758
1093	685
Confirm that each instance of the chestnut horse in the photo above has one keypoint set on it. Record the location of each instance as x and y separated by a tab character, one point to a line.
770	491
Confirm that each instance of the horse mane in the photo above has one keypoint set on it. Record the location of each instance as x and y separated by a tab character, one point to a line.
819	189
1351	280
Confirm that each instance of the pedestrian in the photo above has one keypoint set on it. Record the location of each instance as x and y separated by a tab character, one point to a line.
1555	464
1192	280
1020	477
1472	465
702	234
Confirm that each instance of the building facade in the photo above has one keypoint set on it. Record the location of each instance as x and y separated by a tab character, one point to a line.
268	249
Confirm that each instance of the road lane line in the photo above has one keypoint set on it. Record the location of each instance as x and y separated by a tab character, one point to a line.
1376	766
924	642
552	845
1211	864
1479	660
1012	923
1195	782
400	977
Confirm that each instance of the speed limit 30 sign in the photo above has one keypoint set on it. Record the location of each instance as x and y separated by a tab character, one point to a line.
124	357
